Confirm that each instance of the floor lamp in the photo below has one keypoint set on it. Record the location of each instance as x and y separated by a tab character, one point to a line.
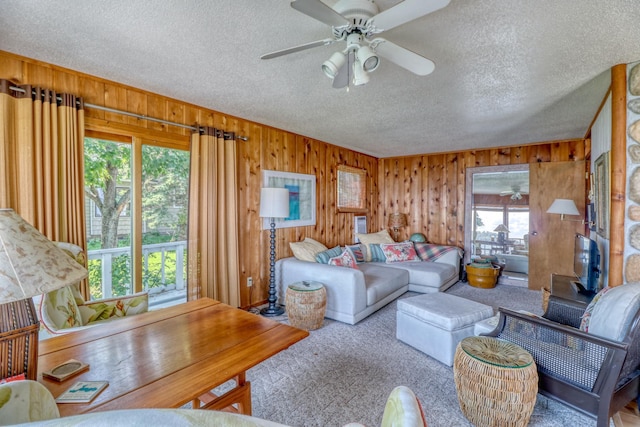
30	265
274	203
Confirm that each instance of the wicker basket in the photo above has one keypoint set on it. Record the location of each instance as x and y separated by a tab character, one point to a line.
19	339
496	381
306	308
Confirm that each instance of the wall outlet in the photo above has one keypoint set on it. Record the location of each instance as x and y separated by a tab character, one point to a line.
249	282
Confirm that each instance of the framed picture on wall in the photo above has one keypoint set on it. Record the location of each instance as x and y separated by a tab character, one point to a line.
302	198
602	190
351	190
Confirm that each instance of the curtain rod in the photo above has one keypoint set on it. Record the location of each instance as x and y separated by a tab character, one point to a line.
137	116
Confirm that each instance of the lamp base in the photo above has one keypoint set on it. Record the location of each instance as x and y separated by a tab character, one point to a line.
276	310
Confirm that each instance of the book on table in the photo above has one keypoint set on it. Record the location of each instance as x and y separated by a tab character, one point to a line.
82	392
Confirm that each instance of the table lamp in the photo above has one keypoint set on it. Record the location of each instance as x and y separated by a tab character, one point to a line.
397	221
274	203
30	265
502	231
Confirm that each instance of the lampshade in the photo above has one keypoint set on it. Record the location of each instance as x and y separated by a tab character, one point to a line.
274	202
563	207
397	220
501	229
31	264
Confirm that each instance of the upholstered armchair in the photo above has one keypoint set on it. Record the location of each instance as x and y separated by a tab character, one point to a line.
587	359
65	310
26	401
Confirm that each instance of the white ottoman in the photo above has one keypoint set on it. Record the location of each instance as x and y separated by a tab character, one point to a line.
435	323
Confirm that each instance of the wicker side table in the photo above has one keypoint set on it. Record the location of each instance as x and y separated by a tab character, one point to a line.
496	381
306	303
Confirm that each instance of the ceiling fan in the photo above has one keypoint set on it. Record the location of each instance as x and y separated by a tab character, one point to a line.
357	23
515	192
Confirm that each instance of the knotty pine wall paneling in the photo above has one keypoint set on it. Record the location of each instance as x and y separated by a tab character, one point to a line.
430	188
266	148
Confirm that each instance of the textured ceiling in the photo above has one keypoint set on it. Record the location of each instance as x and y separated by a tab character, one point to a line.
508	72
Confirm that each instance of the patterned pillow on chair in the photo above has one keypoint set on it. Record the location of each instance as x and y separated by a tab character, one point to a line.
59	308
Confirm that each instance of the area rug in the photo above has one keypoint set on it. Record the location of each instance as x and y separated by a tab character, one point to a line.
343	373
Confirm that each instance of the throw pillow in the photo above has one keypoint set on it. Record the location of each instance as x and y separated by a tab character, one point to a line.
586	317
374	239
398	252
324	256
357	251
377	254
345	259
307	249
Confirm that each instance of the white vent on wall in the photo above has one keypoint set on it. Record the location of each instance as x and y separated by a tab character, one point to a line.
359	226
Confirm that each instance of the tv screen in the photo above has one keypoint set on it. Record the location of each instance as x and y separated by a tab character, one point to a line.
586	263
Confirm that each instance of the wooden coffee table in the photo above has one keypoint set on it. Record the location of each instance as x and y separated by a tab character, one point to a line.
169	357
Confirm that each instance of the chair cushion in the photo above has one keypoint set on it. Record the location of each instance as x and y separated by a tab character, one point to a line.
26	401
403	409
614	311
59	309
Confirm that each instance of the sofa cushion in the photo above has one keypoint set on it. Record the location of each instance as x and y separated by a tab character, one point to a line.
448	312
374	238
432	274
398	252
324	256
381	281
345	259
307	249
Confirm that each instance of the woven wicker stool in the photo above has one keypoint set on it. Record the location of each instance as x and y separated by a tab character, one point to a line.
496	381
306	304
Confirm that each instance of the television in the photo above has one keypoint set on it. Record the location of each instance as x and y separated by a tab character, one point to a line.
586	264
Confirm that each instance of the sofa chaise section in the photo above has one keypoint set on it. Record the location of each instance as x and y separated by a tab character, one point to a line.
352	294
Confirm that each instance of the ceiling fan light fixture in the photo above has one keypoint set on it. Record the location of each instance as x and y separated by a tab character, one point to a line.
368	58
331	66
360	76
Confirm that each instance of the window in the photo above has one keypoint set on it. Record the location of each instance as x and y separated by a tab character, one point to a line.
116	182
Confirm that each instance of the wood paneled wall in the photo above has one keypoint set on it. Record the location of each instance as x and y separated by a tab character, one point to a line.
266	148
430	188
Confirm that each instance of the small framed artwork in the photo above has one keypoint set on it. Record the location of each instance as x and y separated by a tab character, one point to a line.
302	198
351	189
591	216
601	174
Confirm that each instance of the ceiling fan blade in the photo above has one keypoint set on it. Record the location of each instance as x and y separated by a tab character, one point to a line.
506	193
298	48
320	11
403	57
405	11
344	74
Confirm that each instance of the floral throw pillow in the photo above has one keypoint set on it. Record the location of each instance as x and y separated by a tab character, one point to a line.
345	259
357	251
586	317
398	252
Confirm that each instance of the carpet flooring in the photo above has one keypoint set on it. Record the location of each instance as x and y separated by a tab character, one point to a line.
344	373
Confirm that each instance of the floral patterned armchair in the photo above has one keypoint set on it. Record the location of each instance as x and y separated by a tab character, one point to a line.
26	401
65	310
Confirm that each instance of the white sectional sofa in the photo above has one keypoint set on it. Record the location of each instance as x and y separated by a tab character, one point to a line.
353	294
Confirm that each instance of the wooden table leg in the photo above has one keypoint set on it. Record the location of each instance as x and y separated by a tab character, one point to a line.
240	395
